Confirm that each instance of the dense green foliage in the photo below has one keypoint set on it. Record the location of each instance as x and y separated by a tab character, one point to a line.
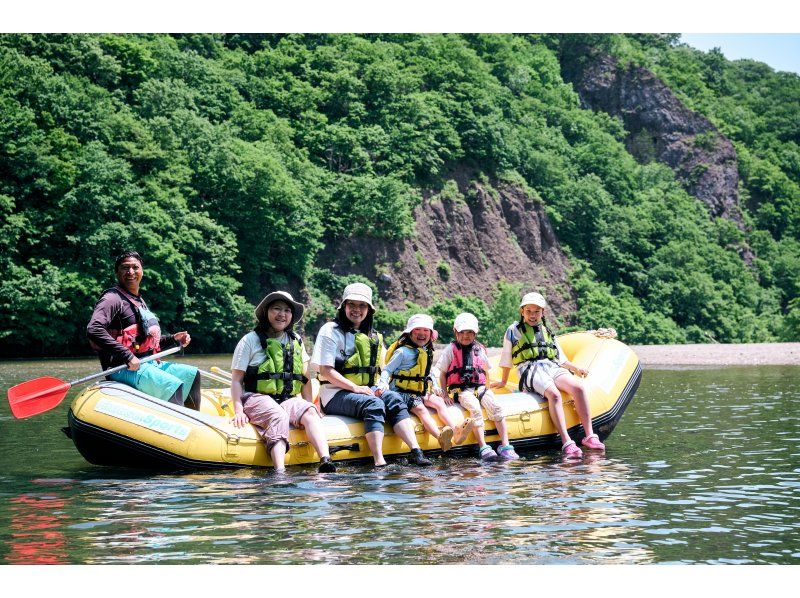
229	161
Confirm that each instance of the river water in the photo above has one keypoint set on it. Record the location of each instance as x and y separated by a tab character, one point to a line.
704	467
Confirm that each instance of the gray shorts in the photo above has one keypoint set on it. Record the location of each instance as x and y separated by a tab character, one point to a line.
537	376
411	399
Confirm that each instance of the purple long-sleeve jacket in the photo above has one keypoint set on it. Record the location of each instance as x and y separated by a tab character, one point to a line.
111	315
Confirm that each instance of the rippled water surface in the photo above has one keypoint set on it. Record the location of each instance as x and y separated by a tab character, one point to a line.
704	467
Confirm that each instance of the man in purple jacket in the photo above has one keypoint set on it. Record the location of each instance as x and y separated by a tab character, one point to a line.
122	329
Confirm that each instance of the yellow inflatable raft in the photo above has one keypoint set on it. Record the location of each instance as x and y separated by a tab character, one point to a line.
114	424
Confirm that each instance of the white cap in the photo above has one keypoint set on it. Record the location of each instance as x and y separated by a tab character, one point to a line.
357	291
465	321
533	299
421	321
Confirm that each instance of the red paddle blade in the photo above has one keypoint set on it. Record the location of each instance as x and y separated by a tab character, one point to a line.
36	396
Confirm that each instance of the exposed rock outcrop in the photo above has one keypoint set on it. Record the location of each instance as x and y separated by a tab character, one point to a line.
661	128
464	246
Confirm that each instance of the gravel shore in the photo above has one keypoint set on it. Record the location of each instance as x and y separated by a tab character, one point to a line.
720	354
715	354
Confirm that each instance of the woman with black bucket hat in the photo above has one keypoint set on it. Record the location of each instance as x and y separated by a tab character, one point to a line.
269	386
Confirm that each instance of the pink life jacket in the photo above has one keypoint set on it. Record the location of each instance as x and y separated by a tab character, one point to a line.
128	340
468	369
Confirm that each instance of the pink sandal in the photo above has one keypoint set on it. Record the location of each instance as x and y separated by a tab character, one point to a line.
571	450
593	442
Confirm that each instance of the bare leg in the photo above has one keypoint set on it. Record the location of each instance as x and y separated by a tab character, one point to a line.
502	429
557	412
478	431
575	388
427	420
375	444
315	432
405	430
437	403
278	452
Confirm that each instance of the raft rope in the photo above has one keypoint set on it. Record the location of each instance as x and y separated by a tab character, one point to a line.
604	332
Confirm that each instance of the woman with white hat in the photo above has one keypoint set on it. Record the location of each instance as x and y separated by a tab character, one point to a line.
269	386
348	354
531	346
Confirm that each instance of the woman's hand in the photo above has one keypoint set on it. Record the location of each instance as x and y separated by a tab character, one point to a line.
498	384
240	419
182	337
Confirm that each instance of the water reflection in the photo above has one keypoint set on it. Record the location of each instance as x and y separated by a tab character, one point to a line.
36	528
703	468
540	510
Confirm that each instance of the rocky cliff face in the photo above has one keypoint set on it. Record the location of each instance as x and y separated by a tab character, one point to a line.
661	128
464	245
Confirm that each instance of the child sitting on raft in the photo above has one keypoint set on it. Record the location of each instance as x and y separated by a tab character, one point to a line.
463	368
407	372
530	346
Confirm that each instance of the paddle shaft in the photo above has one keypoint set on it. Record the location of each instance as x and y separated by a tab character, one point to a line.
215	377
119	368
30	398
221	372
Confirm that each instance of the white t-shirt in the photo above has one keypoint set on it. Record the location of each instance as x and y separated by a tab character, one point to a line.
249	351
332	344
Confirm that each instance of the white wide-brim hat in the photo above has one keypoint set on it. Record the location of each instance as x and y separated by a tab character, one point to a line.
533	299
465	321
358	291
261	310
421	321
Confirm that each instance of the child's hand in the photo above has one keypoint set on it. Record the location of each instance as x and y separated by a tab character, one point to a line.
239	420
580	372
497	384
366	390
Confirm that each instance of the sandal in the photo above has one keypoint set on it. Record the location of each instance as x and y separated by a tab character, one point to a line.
507	453
593	442
446	438
463	430
488	455
571	450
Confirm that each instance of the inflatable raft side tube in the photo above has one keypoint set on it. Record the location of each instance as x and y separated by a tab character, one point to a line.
104	447
604	424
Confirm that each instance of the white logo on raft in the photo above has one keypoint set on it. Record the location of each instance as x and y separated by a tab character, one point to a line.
605	372
143	419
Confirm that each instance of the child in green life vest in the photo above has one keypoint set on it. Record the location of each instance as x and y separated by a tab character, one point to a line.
269	386
530	346
408	372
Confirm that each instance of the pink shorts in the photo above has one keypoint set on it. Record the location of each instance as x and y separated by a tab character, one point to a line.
273	420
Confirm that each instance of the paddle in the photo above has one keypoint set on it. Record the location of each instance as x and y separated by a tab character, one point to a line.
214	377
221	372
42	394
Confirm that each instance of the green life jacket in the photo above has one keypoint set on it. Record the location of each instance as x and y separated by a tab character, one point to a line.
281	374
534	343
362	367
